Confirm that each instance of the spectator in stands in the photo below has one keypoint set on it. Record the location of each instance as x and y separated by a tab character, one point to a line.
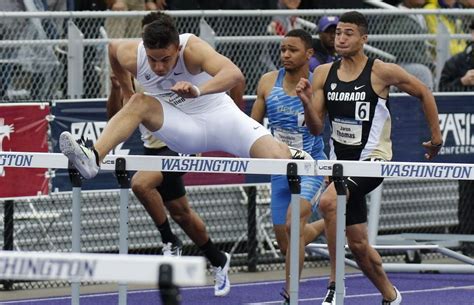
466	3
219	4
417	4
129	27
452	24
323	47
412	55
338	4
458	71
281	25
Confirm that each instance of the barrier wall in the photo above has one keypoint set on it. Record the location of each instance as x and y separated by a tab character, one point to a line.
24	127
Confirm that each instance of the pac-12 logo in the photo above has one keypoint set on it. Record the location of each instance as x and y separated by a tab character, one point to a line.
5	131
458	133
91	131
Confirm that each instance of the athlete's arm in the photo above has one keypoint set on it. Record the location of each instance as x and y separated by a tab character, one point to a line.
259	107
392	74
237	94
312	98
200	56
122	58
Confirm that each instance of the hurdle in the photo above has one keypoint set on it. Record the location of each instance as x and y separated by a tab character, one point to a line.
337	169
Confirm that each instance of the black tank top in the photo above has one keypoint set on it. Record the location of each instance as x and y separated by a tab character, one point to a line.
360	119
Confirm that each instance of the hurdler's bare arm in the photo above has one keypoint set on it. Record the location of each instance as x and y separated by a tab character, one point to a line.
392	74
264	87
200	56
122	58
312	98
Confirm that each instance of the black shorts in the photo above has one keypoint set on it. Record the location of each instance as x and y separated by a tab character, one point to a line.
172	186
356	209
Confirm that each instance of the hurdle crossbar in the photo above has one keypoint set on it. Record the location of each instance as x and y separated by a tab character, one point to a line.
140	269
408	170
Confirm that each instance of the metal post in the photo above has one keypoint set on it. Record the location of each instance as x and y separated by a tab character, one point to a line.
75	61
124	182
8	233
252	242
169	292
337	173
76	227
295	189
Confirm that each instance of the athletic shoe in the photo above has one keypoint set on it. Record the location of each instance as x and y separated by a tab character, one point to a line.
170	249
299	154
221	281
330	298
285	296
397	301
82	157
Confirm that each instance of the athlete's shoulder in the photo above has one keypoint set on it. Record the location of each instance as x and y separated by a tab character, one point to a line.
269	77
321	73
126	46
267	81
385	70
125	50
193	42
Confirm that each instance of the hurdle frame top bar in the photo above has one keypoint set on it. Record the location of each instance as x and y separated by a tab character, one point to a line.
140	269
386	169
165	163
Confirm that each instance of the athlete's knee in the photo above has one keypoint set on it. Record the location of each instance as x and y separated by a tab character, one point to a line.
140	185
358	247
268	147
140	102
179	210
327	205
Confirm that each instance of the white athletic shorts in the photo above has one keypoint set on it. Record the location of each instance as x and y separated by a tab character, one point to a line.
222	127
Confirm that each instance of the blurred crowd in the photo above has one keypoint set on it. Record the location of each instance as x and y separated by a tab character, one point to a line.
454	71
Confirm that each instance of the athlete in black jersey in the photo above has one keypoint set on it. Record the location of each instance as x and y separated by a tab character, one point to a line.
354	93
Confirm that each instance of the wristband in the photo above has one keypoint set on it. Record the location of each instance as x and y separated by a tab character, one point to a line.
198	91
436	145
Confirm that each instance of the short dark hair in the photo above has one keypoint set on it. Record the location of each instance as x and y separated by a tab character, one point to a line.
303	35
160	33
356	18
155	16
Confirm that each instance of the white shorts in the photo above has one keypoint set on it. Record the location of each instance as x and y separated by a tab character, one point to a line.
221	128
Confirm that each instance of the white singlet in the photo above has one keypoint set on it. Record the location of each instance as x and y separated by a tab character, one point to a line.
193	125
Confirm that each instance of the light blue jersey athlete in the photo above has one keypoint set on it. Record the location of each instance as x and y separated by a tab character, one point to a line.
286	119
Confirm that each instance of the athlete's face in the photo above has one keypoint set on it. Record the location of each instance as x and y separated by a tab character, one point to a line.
163	60
349	40
293	53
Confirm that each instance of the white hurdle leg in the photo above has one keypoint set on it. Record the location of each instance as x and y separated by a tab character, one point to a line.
295	189
340	231
76	228
124	182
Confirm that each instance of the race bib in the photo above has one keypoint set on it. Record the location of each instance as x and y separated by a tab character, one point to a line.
290	138
347	131
301	122
171	98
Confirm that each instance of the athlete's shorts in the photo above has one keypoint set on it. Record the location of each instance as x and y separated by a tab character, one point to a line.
281	195
172	186
223	127
356	209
